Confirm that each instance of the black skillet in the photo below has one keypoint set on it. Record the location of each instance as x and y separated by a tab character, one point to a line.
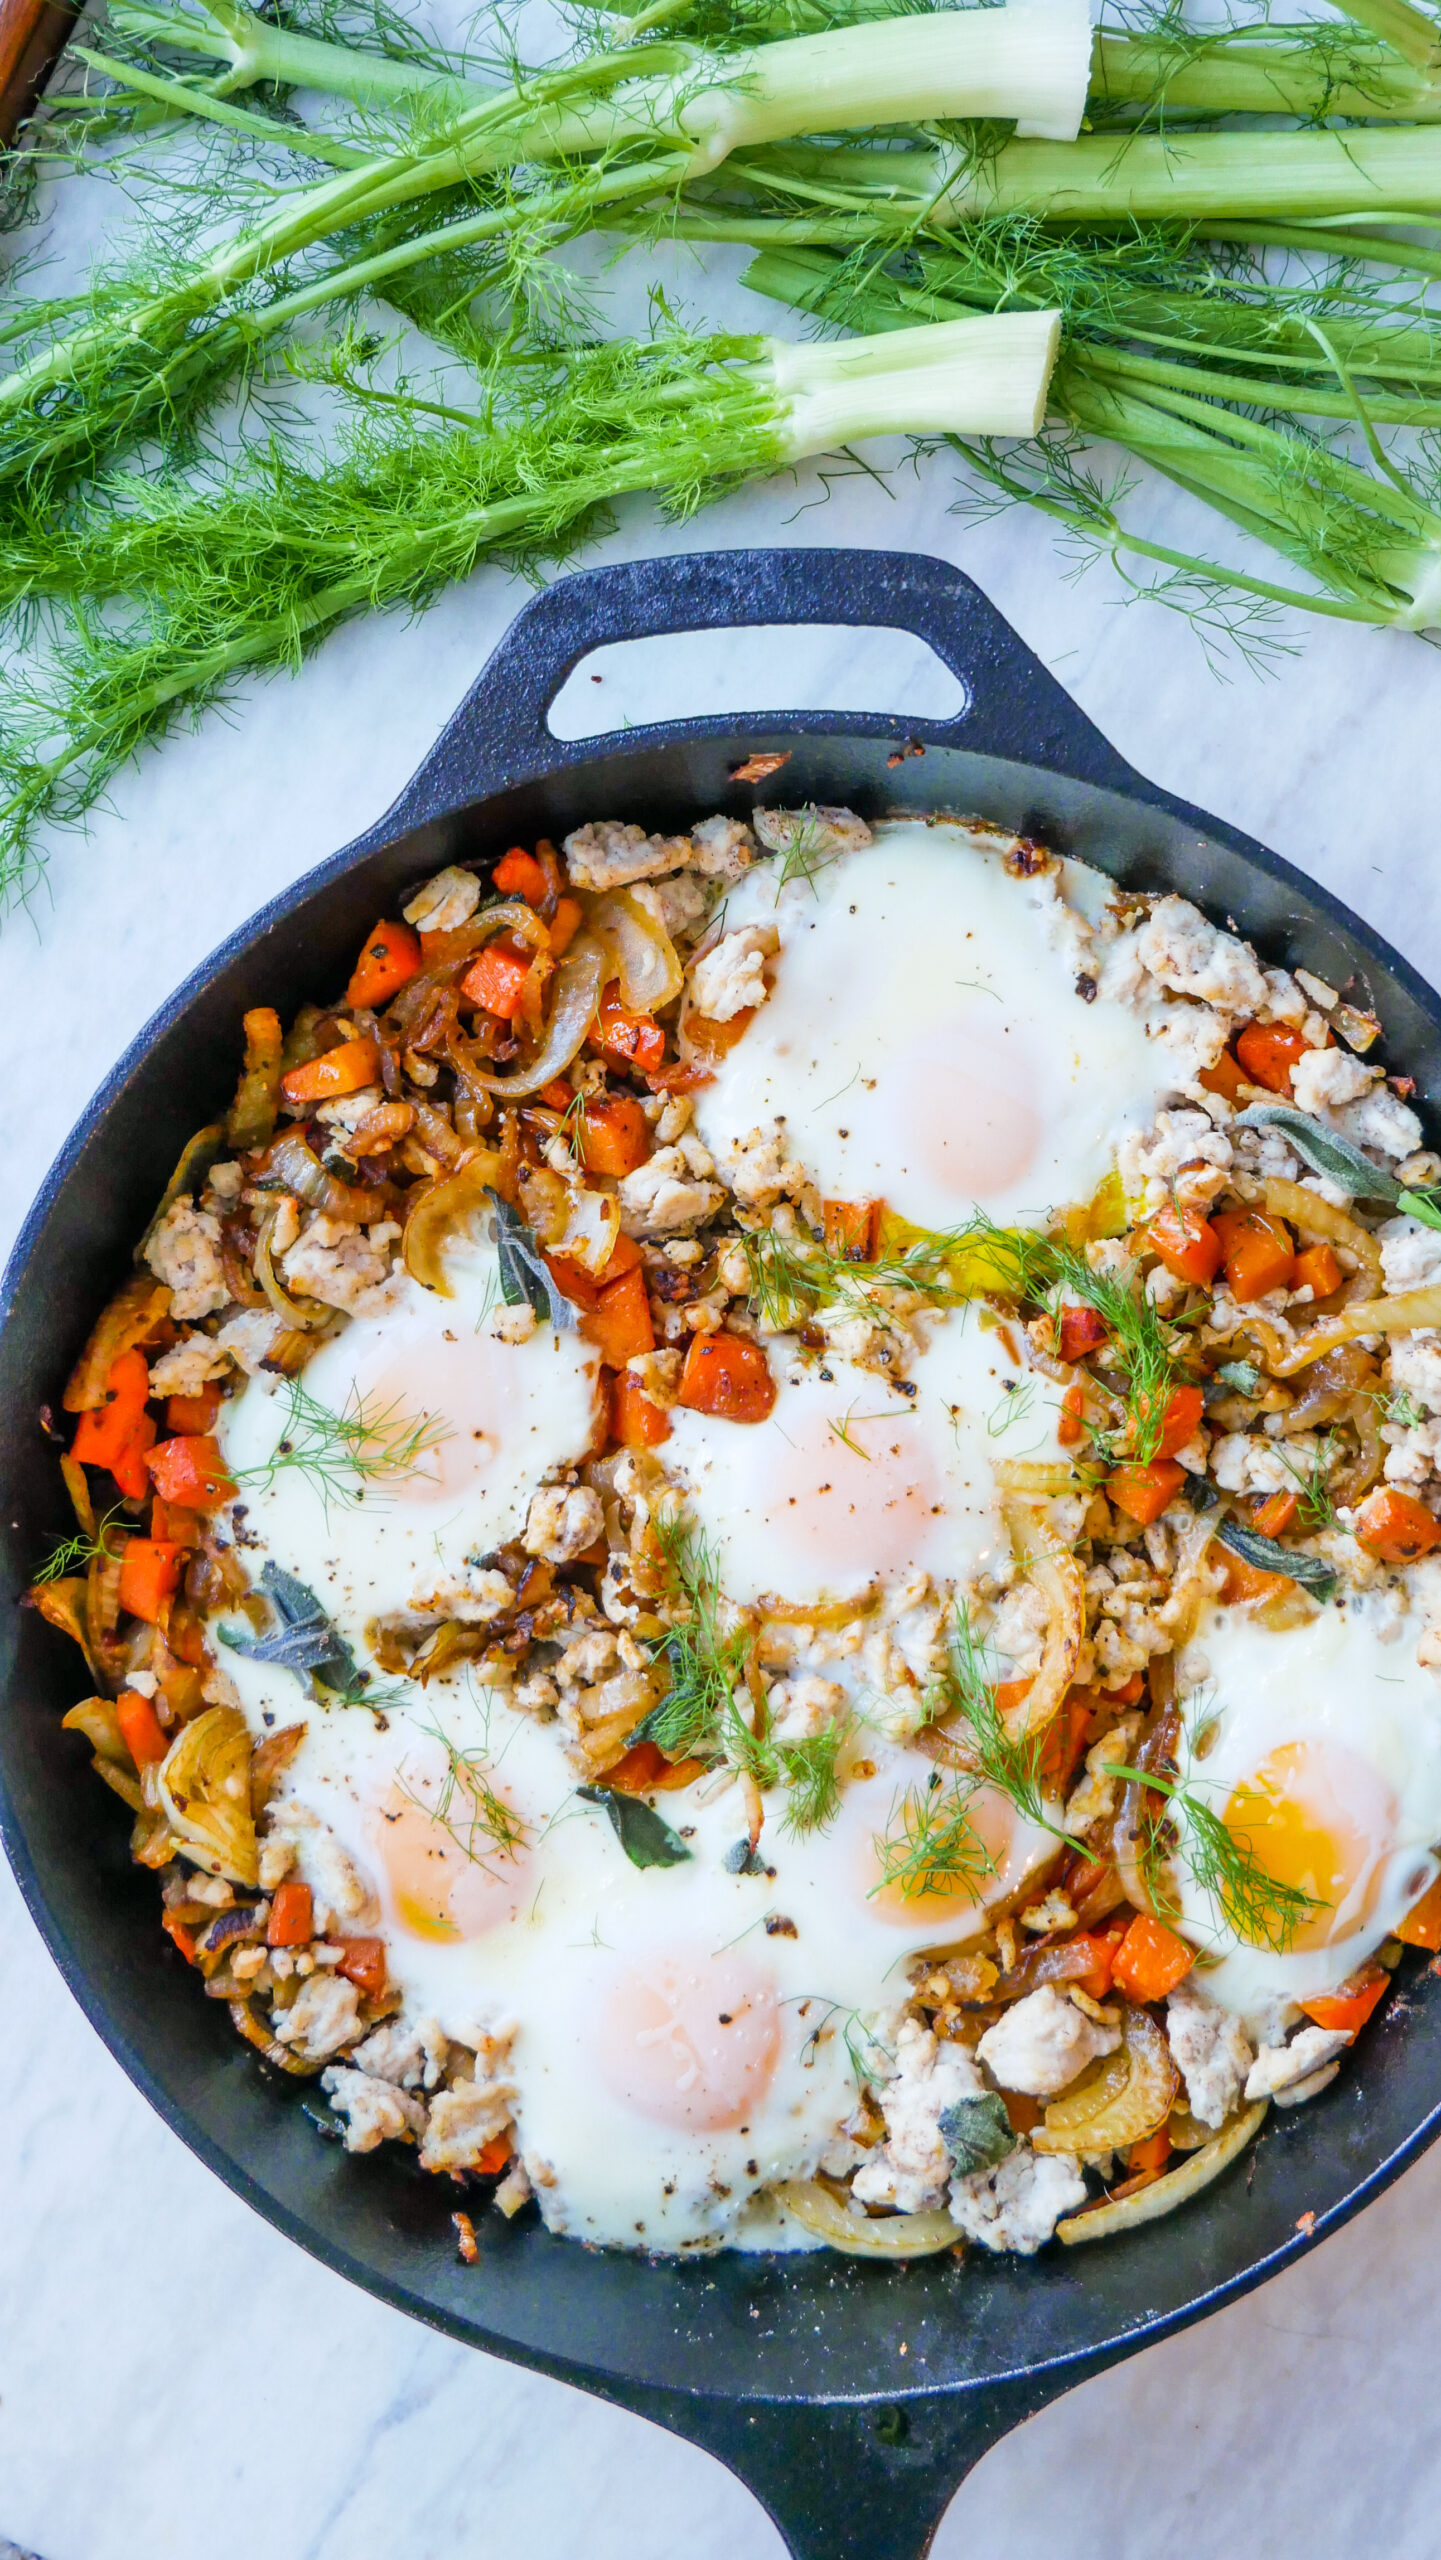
851	2398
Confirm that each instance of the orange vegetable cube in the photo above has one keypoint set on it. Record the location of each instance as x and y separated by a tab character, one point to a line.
1318	1270
1274	1516
851	1228
727	1376
1100	1945
1064	1742
1395	1526
363	1963
1187	1243
614	1134
519	875
149	1572
1144	1492
1081	1330
1422	1924
635	1423
558	1095
1181	1420
1071	1426
564	925
106	1430
1269	1053
1224	1078
496	981
184	1528
1345	2010
193	1413
1145	2160
1259	1255
1242	1582
490	2162
1150	1960
348	1069
140	1727
627	1039
292	1916
390	957
190	1471
619	1324
582	1287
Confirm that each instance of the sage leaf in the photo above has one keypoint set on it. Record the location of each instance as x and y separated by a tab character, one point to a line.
1324	1152
646	1840
525	1278
1267	1555
977	2133
1242	1375
306	1642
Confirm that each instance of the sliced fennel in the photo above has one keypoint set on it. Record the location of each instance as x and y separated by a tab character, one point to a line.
197	588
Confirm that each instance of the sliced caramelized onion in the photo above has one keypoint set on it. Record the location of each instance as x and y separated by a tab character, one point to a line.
1175	2188
248	2025
1027	1475
901	2235
62	1605
196	1158
443	1212
1132	2093
578	981
640	947
1349	1483
300	1315
1329	1387
1139	1802
294	1166
203	1786
1411	1311
1057	1575
1318	1217
138	1306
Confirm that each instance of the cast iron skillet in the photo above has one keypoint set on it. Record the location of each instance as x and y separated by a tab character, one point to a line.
850	2397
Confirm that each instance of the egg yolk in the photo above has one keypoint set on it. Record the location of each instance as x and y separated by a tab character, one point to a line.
1320	1819
449	1878
927	1896
857	1506
690	2039
966	1109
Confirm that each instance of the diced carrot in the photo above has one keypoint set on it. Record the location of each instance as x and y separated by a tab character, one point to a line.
1318	1270
129	1467
1224	1078
850	1228
191	1471
292	1916
1259	1255
627	1039
1187	1243
1242	1582
645	1767
362	1962
558	1095
1071	1426
1273	1517
1064	1742
614	1134
185	1636
619	1323
1181	1420
496	981
149	1572
1396	1527
1144	1492
140	1728
727	1376
683	1075
1422	1924
105	1432
1128	1694
1023	2113
582	1286
193	1413
1101	1946
1145	2160
519	875
490	2162
1082	1330
1345	2010
182	1528
564	925
1269	1053
390	957
177	1930
1150	1959
348	1069
635	1423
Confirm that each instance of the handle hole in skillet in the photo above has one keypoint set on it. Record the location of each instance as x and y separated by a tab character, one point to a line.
812	666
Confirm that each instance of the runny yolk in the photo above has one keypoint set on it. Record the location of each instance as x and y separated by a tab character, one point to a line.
446	1883
850	1494
1319	1818
965	1110
689	2039
924	1828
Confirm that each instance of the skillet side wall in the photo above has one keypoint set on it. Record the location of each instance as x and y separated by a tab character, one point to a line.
734	2327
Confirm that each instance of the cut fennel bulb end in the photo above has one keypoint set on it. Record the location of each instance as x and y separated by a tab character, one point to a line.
983	377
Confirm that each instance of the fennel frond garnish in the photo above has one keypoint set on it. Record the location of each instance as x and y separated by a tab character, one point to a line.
343	1453
467	1806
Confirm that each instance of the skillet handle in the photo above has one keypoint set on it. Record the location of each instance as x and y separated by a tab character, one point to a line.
862	2480
1013	706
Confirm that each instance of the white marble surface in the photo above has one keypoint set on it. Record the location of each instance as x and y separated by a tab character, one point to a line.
177	2380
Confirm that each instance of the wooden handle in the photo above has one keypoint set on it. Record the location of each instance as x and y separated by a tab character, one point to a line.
33	35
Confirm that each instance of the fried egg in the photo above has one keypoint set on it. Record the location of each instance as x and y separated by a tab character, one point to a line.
851	1481
1319	1748
925	1042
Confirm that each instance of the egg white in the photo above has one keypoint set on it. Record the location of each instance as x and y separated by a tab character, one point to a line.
924	1042
1357	1718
